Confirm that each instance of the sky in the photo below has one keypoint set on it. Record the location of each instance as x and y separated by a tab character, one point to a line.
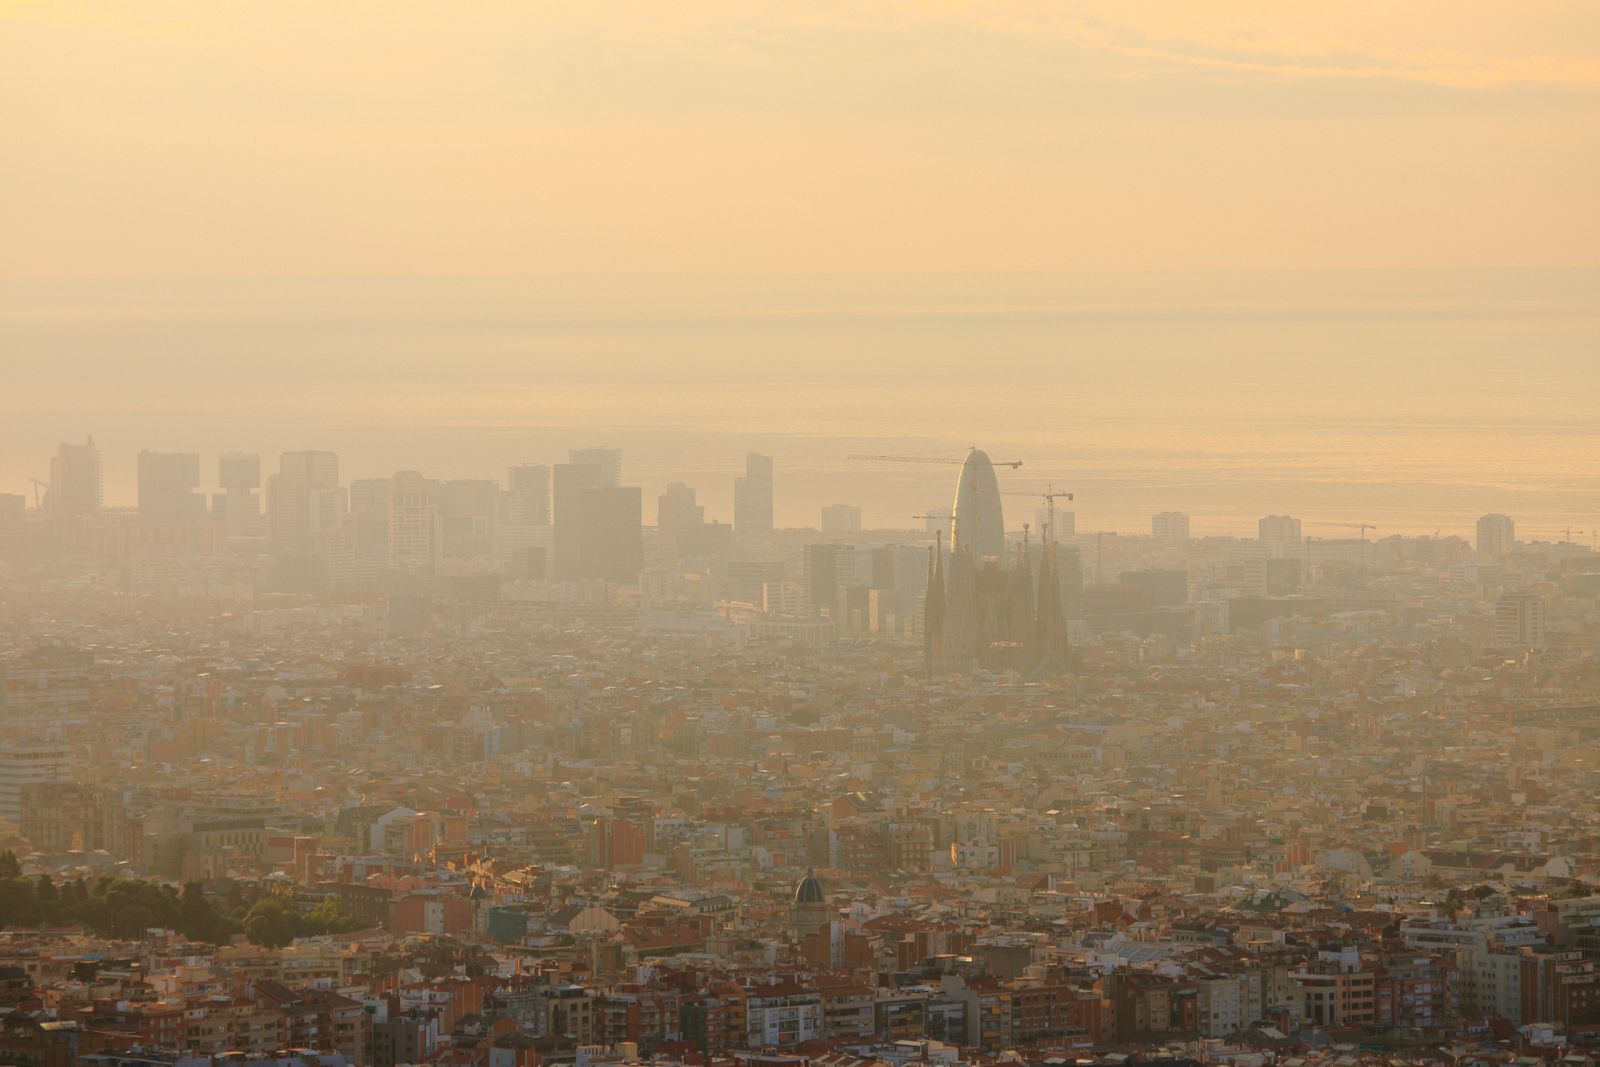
201	140
1228	256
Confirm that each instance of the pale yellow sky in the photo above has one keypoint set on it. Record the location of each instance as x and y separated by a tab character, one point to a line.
306	139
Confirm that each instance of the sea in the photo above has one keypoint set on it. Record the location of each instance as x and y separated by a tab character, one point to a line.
1412	400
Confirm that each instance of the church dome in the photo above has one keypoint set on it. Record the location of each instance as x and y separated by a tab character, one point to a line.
809	891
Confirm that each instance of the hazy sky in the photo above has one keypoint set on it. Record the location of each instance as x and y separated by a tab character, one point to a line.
285	139
453	236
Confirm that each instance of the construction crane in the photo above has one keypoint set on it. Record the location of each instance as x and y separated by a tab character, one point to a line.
1362	526
1565	531
38	485
1049	494
949	461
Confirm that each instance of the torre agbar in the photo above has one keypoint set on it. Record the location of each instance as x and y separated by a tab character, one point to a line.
987	608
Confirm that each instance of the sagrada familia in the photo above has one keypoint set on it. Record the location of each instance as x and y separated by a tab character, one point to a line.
987	610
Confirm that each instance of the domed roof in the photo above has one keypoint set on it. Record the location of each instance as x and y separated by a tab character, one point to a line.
809	891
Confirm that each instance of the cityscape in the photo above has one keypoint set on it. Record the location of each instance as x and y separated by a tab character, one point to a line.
403	770
797	533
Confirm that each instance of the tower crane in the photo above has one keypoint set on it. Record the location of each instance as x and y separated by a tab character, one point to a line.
949	461
1049	495
1362	526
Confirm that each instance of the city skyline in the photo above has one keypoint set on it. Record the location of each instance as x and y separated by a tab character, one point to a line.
800	533
207	497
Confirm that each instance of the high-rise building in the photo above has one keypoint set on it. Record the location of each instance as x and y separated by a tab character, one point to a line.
752	497
414	523
369	519
676	510
468	511
237	504
22	765
989	611
826	568
613	544
167	487
528	487
979	523
303	499
598	527
1519	621
606	461
76	481
570	482
1497	535
1279	534
1171	527
841	519
682	526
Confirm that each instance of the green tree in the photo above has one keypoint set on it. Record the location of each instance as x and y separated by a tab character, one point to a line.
268	924
328	917
44	891
10	867
129	908
199	920
19	902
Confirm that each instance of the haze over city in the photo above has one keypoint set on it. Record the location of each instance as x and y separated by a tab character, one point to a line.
873	534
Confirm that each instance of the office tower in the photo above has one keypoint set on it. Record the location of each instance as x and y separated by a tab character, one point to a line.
677	512
76	481
841	519
239	470
994	611
369	499
607	461
598	528
613	544
682	525
369	523
528	486
23	765
826	568
238	503
524	538
167	484
303	498
1518	620
752	497
1279	534
978	523
414	522
1171	527
570	482
468	513
1497	535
